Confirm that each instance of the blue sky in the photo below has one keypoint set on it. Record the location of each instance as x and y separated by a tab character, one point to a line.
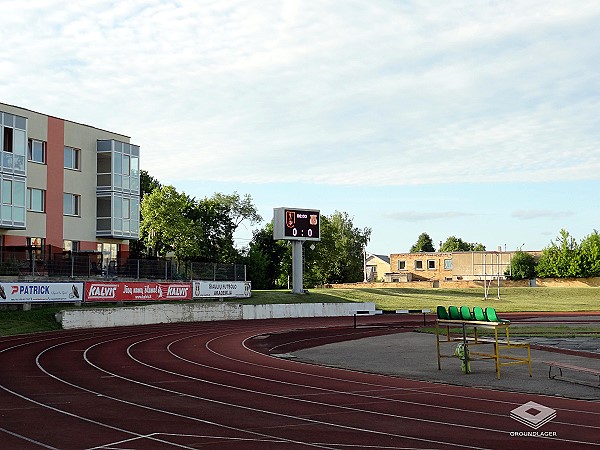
472	119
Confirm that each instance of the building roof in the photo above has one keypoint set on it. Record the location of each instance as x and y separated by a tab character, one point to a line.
384	258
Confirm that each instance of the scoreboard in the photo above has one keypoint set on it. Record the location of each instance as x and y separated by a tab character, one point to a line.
296	224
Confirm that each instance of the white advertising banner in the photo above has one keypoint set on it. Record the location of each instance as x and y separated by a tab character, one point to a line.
224	289
40	292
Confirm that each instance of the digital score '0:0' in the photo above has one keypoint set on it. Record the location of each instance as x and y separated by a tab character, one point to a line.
309	232
301	224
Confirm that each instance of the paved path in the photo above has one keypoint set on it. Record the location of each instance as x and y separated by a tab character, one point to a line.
413	355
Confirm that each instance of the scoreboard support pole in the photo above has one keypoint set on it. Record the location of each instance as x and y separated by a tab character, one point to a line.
297	275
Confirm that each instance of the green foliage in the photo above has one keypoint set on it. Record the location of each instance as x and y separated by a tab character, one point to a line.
522	266
454	244
338	257
589	255
240	209
560	259
423	244
201	230
148	183
264	259
168	222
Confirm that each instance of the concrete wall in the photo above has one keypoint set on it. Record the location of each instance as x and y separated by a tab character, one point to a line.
304	310
200	312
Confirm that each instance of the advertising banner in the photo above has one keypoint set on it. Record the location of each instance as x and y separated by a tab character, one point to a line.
41	292
136	291
225	289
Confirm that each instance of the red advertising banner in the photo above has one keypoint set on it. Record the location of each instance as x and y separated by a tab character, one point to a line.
136	291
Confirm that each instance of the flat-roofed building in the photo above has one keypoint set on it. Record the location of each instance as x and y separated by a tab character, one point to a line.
66	186
450	266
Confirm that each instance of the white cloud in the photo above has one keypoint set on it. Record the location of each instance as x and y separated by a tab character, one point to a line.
268	91
420	216
533	214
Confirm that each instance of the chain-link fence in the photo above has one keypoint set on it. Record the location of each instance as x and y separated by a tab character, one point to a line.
32	262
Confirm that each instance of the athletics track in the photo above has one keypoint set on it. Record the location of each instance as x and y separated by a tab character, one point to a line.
210	385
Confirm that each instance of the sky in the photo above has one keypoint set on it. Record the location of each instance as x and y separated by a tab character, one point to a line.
478	120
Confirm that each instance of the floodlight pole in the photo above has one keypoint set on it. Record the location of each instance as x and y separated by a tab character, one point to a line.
297	276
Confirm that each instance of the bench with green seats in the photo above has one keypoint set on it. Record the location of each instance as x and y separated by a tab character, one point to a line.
473	319
464	313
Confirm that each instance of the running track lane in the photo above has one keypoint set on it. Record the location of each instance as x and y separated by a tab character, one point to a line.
206	385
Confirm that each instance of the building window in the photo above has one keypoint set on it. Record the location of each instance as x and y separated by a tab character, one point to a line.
447	264
8	140
36	200
71	204
72	157
36	151
35	247
7	192
418	264
401	265
431	264
126	208
70	246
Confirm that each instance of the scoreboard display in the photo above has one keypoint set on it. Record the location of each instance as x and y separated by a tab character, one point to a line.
297	224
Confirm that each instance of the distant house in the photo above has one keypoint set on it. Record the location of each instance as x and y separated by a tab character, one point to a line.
377	266
449	266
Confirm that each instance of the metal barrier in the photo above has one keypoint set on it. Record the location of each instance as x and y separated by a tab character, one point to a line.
32	263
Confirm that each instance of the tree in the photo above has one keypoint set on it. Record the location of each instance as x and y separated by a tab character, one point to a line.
168	222
338	257
423	244
216	227
560	259
147	183
137	248
589	255
201	230
522	266
264	259
454	244
240	209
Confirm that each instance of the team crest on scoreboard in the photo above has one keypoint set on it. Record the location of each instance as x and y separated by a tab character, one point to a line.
313	219
290	218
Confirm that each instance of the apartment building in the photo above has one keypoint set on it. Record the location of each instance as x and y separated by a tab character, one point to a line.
66	186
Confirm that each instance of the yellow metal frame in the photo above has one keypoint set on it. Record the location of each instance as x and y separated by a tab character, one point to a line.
500	359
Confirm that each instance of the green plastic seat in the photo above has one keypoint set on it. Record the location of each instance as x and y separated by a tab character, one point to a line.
442	313
465	313
454	313
491	315
479	314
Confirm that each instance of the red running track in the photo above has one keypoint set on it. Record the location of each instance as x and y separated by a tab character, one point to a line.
213	385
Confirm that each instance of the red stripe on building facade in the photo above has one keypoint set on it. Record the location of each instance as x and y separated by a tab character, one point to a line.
55	182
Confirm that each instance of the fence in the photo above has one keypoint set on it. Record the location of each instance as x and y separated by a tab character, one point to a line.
32	263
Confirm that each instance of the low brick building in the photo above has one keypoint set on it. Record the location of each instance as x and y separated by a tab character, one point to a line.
449	266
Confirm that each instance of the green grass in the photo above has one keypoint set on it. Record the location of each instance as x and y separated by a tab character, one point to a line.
23	322
512	300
